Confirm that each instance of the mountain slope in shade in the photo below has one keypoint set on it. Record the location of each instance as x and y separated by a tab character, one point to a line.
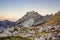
6	24
54	20
32	18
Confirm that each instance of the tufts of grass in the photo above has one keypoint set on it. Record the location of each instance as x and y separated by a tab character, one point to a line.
13	38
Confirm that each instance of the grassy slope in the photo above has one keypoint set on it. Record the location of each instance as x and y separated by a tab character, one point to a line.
53	20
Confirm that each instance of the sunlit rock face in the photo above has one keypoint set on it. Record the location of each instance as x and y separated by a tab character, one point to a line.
32	18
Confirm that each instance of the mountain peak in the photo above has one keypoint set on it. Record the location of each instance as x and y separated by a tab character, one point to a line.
31	12
32	15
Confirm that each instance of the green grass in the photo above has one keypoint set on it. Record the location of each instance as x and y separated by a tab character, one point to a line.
13	38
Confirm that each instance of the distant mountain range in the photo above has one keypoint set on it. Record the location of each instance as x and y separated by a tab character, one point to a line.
32	18
6	24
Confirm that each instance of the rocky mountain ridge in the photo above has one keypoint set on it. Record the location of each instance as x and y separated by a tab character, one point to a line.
35	16
31	18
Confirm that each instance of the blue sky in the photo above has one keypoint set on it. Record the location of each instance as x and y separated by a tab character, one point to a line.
15	9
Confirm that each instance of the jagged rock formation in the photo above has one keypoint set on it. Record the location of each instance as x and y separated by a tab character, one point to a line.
32	15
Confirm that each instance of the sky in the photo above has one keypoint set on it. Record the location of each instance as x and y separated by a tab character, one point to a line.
15	9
